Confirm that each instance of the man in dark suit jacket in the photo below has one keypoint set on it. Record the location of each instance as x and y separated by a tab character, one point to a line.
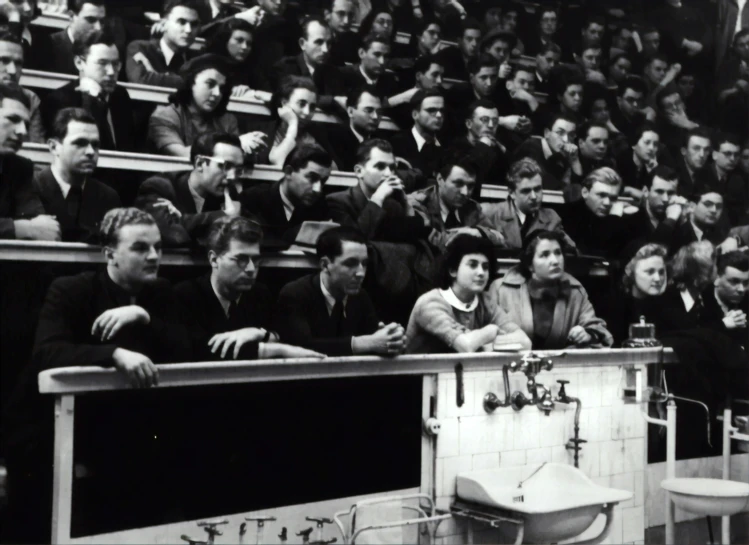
313	63
692	165
97	92
726	304
556	152
373	57
329	311
364	108
724	176
85	16
705	222
377	205
456	59
21	211
345	44
522	214
66	188
230	312
185	204
589	221
122	317
420	146
283	206
157	62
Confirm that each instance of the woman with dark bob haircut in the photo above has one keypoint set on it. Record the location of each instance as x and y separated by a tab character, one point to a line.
550	305
234	40
198	106
458	316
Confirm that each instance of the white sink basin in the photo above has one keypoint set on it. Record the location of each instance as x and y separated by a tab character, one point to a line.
557	503
708	497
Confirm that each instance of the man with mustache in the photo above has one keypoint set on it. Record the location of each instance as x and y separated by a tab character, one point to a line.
66	188
329	312
97	92
21	212
230	311
449	208
185	204
282	207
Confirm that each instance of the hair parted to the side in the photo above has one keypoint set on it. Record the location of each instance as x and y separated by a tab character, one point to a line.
461	246
116	219
330	243
229	228
645	252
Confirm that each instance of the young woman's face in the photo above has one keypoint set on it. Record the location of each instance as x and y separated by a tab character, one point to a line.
650	277
303	102
239	45
208	90
572	98
647	147
599	112
548	261
472	274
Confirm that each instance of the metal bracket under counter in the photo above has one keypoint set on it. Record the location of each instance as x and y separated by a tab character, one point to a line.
73	380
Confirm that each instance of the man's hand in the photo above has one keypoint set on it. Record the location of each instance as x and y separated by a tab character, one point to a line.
729	245
505	70
681	120
388	340
464	231
392	184
42	227
89	86
254	15
157	29
240	90
579	336
735	319
140	58
253	141
742	85
238	338
172	210
139	369
111	321
517	123
418	14
673	71
231	208
675	208
280	350
693	47
569	152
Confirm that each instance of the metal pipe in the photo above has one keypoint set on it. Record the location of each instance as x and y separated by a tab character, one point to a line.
725	522
670	468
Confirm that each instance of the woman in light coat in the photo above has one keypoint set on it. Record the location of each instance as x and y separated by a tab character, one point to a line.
549	305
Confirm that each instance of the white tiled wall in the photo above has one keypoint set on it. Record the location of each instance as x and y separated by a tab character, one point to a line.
615	454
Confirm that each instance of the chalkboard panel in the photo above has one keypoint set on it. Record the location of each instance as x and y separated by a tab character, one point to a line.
157	457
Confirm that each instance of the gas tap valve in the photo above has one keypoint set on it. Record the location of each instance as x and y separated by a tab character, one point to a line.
192	541
211	528
304	534
321	522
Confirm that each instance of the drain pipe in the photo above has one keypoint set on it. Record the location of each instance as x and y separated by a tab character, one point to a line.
725	522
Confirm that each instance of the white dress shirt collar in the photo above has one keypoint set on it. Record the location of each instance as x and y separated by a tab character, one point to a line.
330	301
451	298
288	207
445	211
166	51
420	140
199	201
366	77
64	186
697	231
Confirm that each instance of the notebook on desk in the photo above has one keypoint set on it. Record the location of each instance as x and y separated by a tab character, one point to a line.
308	234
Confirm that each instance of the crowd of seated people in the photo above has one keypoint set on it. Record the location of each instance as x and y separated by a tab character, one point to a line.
639	128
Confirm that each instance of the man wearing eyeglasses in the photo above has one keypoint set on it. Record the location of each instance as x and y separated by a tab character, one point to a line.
420	146
185	204
480	145
96	91
230	311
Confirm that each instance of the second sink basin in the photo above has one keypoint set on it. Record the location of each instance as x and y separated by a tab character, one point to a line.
708	497
558	502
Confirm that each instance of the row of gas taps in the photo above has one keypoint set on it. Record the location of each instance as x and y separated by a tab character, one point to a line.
212	528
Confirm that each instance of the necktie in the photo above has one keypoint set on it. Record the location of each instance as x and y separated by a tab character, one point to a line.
525	227
451	221
232	312
336	317
73	202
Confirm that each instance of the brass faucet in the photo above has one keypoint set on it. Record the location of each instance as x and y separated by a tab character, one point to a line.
531	364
